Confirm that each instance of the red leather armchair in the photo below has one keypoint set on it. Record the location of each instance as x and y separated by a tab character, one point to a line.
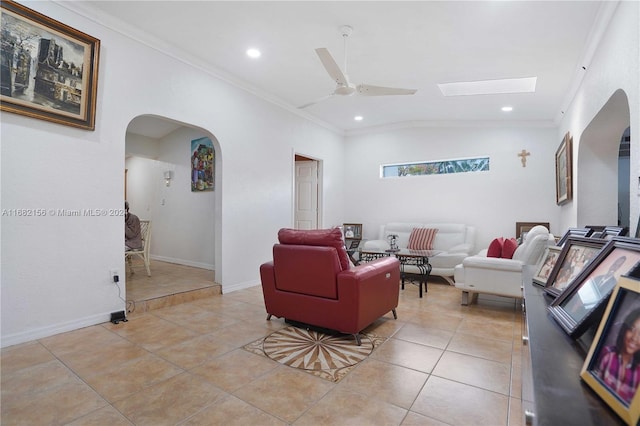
310	281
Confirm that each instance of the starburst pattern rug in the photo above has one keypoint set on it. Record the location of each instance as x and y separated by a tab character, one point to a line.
329	356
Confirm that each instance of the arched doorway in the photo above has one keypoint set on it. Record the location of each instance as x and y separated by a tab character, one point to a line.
185	241
597	165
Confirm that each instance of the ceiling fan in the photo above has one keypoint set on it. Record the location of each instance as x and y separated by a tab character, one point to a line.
343	86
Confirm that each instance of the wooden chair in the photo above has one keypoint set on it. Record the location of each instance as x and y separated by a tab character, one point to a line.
143	253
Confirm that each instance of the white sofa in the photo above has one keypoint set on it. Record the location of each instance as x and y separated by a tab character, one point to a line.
455	241
502	277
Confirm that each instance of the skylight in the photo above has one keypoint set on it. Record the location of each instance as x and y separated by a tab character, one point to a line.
489	87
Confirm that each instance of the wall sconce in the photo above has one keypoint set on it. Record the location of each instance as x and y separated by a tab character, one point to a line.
167	177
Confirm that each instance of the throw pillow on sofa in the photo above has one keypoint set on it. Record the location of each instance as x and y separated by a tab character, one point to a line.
422	238
509	247
495	248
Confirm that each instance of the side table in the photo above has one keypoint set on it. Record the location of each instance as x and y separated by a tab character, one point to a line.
416	260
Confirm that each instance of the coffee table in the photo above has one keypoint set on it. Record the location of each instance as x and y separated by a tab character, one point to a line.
414	264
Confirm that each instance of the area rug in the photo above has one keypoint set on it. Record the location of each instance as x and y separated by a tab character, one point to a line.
329	356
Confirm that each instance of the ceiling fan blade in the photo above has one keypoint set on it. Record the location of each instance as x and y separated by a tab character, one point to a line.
369	90
331	66
308	104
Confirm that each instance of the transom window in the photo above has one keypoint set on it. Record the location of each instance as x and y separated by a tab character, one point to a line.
461	165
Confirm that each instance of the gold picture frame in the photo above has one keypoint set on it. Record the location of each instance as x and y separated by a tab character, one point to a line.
622	312
49	69
564	176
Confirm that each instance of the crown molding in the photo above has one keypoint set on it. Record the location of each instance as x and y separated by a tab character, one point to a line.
109	22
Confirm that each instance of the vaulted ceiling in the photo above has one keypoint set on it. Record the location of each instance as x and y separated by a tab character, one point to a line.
414	44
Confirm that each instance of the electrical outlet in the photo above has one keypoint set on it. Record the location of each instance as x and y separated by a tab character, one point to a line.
114	275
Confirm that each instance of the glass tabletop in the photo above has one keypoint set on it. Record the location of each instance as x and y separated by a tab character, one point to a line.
402	252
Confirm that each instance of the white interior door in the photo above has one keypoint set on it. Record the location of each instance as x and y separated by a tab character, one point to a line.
306	188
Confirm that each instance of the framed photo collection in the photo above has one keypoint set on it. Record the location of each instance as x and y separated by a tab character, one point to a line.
584	299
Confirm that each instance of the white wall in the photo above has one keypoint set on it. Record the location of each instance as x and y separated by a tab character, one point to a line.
55	270
182	221
615	66
491	201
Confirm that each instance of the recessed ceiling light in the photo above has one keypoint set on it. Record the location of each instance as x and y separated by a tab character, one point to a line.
358	118
489	87
507	108
253	53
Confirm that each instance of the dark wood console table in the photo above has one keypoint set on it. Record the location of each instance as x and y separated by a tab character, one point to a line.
558	395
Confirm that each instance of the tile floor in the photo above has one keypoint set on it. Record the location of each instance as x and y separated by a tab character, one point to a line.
443	364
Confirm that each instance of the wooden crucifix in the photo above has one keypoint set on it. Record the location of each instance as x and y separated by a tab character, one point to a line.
523	157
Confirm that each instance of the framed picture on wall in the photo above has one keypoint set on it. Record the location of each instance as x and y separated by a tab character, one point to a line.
612	366
202	165
49	70
584	300
564	182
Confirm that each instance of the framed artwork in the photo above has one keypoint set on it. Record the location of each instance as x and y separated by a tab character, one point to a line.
612	366
564	184
576	254
202	163
49	70
524	227
575	232
546	264
352	231
583	302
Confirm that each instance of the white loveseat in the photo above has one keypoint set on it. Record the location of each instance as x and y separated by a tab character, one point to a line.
455	241
502	277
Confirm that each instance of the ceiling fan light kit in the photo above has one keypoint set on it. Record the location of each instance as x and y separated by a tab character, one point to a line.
339	75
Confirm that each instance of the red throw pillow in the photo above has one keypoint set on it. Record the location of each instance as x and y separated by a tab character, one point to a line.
317	237
495	248
422	238
509	247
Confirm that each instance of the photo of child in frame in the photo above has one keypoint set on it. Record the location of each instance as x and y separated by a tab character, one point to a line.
617	364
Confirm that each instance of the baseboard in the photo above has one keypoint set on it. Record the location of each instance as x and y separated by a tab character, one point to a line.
50	330
184	262
240	286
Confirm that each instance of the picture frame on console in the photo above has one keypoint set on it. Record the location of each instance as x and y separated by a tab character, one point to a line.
564	176
546	264
602	371
574	256
584	300
574	232
52	68
352	231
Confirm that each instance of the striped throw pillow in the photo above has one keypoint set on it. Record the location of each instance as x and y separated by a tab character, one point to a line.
422	238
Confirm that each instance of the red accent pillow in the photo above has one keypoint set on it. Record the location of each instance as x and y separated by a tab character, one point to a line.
317	237
509	247
495	248
422	238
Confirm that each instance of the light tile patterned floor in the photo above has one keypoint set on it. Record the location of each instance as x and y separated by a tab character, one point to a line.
443	364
